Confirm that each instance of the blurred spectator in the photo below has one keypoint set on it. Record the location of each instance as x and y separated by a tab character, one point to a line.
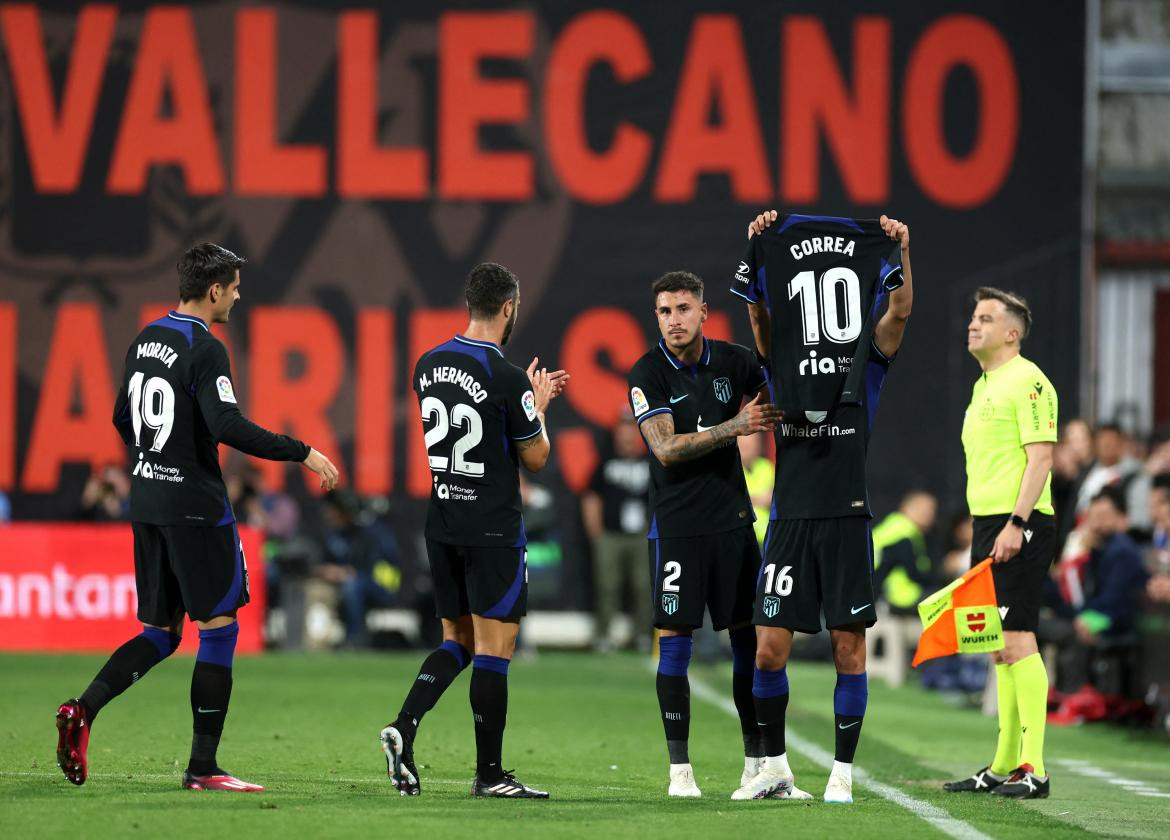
362	558
1100	591
956	560
106	497
613	511
759	471
1156	464
1113	465
902	568
1159	559
545	549
1072	459
246	494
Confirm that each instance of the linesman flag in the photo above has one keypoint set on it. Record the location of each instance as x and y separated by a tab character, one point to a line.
961	618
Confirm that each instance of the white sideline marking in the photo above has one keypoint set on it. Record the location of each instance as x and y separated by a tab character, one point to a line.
1092	771
931	814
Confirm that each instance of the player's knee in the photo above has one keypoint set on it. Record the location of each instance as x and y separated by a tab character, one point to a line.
217	645
166	641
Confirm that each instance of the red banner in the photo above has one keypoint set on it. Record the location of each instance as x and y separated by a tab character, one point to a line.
71	588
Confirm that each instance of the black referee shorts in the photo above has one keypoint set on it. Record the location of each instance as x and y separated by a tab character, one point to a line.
1019	582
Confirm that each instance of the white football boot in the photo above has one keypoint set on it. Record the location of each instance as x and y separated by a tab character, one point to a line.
774	781
682	781
840	786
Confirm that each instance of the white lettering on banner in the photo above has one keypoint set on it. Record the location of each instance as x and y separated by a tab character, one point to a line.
62	595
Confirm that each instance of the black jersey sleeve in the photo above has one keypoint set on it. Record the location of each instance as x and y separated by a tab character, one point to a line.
891	275
754	377
746	281
122	421
520	406
649	394
212	380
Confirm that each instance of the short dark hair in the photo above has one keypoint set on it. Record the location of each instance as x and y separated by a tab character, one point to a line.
1115	496
678	281
1013	303
489	287
1110	426
203	266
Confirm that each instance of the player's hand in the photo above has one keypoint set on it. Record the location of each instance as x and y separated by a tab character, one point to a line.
761	222
896	230
1007	544
323	467
757	417
545	385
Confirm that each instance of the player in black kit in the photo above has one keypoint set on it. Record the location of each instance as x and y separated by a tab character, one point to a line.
176	404
483	418
815	288
686	395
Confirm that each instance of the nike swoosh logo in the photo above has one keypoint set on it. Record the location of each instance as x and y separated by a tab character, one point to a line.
204	711
674	400
856	610
699	427
846	726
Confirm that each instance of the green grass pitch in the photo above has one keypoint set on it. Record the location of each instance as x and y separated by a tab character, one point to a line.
585	728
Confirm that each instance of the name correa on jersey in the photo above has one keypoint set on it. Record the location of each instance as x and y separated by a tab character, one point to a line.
822	280
707	495
474	405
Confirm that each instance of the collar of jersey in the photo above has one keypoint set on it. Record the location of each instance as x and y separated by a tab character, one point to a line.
1008	365
704	357
191	319
474	343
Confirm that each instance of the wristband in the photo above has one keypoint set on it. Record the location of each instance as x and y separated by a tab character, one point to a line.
1019	521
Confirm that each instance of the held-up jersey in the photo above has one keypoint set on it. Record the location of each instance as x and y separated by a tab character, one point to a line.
475	405
818	277
707	495
175	405
820	466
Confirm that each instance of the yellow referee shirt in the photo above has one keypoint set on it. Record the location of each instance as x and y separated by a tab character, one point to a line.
1011	406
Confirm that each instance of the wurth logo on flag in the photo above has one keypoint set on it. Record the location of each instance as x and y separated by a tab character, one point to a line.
977	622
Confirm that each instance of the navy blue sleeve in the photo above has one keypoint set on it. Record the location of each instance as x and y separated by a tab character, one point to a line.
748	278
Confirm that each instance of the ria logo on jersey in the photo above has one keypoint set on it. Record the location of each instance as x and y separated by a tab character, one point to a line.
826	364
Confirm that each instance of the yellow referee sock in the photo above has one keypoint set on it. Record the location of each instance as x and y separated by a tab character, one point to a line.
1031	681
1007	748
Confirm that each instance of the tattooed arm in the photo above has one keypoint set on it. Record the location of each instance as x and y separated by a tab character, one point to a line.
670	448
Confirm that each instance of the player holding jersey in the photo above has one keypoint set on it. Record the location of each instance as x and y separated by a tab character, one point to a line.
686	395
176	403
815	288
483	418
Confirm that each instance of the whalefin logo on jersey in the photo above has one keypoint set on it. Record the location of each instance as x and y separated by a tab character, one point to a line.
224	386
529	403
638	399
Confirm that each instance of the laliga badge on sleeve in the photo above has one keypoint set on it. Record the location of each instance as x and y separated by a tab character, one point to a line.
641	406
529	403
224	386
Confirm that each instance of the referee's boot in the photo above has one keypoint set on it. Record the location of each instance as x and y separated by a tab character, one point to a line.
507	787
983	781
399	751
1024	784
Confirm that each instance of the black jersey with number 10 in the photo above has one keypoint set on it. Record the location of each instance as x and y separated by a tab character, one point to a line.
475	407
819	278
176	403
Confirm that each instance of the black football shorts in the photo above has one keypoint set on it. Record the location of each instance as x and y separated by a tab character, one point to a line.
716	571
815	565
198	570
477	580
1019	582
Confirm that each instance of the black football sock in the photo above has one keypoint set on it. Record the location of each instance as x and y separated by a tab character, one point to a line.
743	656
489	708
849	701
211	691
437	673
770	690
126	666
674	695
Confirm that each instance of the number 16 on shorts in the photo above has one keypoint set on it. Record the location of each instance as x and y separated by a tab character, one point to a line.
777	584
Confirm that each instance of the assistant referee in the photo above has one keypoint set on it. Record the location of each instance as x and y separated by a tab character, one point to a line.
1009	432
